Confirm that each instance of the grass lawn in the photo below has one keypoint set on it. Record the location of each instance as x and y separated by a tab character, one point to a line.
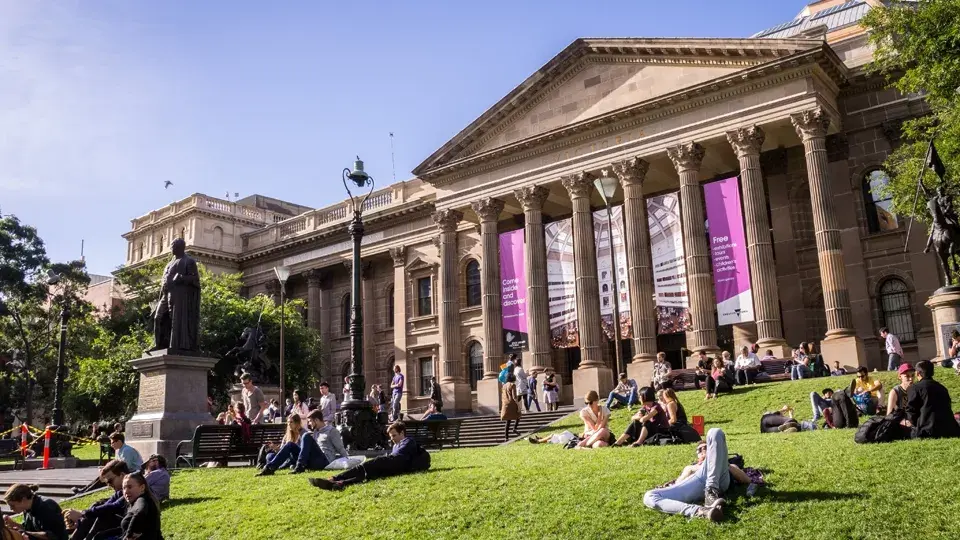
87	451
820	485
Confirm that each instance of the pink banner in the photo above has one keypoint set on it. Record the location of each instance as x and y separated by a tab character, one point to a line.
728	251
513	291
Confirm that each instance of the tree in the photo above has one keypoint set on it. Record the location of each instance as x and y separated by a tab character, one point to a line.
917	47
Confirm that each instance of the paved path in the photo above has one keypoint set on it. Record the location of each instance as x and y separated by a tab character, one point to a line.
76	476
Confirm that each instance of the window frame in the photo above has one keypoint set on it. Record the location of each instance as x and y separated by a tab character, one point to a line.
424	301
474	371
423	376
346	314
872	201
892	318
472	288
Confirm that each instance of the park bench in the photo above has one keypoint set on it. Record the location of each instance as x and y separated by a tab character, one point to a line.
10	451
434	434
223	443
771	370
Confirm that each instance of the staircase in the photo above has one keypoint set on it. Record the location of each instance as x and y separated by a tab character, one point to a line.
56	484
479	431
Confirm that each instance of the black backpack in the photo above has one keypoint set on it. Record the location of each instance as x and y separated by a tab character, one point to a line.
845	413
880	429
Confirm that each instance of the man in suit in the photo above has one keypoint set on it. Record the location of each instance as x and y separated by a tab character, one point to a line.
928	406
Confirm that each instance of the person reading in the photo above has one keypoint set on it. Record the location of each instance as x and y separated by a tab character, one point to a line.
406	457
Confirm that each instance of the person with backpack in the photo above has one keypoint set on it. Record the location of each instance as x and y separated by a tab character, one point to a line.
929	407
867	391
650	420
706	481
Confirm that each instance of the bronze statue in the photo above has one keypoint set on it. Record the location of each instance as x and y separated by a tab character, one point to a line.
177	316
249	353
944	229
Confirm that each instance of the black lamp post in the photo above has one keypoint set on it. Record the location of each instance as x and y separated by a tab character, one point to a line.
359	426
52	279
607	186
283	273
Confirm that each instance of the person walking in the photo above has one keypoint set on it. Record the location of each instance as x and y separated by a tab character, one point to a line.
532	392
510	407
893	348
523	389
253	399
396	389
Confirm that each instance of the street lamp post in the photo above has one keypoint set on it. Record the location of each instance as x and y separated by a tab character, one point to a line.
283	273
359	428
607	186
53	279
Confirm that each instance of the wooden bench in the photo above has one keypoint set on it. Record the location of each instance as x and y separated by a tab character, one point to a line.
10	451
772	370
221	443
434	434
261	434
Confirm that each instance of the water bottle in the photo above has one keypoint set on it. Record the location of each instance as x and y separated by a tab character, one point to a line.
751	489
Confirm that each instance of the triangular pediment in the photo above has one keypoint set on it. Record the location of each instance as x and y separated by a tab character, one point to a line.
596	77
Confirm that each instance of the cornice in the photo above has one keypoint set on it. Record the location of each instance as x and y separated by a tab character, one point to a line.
189	212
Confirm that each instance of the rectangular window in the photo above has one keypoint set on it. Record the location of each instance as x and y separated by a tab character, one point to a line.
424	297
426	371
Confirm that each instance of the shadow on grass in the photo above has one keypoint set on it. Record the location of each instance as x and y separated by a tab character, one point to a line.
442	469
773	495
186	500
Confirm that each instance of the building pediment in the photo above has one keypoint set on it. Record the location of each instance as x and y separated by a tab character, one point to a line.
595	79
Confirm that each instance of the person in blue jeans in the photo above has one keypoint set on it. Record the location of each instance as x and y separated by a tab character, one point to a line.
308	454
625	393
703	482
820	402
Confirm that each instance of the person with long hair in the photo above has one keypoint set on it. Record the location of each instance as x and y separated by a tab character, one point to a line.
299	405
510	408
142	520
649	420
103	515
676	415
551	392
713	380
42	517
596	419
280	455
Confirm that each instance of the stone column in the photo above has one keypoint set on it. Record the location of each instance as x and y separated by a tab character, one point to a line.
592	374
686	158
456	391
631	173
488	389
535	270
841	339
399	256
746	142
369	304
314	280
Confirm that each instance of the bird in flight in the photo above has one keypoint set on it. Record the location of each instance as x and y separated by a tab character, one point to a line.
167	184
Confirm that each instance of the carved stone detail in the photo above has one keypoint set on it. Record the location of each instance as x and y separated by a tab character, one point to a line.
686	156
746	141
447	219
892	130
314	278
578	185
629	171
532	197
399	255
488	209
811	124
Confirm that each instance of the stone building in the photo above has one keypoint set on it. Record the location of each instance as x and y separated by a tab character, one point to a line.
791	111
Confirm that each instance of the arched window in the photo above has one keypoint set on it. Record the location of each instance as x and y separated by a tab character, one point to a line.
183	233
880	216
895	311
390	309
475	355
140	254
217	238
345	308
473	283
160	244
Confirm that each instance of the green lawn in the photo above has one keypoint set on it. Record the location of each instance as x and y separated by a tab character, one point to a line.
821	485
87	451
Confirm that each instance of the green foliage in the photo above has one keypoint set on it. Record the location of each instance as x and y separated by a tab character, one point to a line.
103	385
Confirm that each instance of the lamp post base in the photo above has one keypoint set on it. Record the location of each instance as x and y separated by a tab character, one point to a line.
359	427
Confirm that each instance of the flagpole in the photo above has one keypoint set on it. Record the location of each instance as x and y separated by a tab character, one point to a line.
916	195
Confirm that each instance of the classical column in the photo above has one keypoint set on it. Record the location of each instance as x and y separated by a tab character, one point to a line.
686	158
594	374
314	281
535	271
451	373
399	256
746	142
488	389
631	173
811	126
369	303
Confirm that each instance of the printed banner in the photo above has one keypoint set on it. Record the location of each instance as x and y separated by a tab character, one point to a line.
513	292
611	288
669	270
728	251
561	284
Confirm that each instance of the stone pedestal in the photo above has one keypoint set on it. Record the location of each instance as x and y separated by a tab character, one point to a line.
488	396
945	305
457	397
641	371
172	402
849	350
591	378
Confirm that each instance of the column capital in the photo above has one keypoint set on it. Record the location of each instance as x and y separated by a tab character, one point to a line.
746	141
399	255
811	124
447	219
488	209
631	171
314	278
366	268
531	197
686	156
578	184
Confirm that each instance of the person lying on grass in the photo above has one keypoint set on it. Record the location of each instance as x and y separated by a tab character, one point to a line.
596	417
557	438
782	421
406	457
705	482
103	515
650	420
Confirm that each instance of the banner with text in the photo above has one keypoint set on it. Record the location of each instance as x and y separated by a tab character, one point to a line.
669	270
513	292
612	282
728	251
561	284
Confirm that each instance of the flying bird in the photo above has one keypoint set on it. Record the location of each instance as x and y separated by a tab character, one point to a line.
167	184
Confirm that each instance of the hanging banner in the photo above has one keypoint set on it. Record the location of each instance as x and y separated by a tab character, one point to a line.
728	251
561	284
613	282
669	270
513	292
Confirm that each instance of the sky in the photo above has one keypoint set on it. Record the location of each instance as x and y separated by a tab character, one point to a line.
103	101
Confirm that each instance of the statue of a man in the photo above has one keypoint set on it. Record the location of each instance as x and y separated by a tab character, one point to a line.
177	317
944	236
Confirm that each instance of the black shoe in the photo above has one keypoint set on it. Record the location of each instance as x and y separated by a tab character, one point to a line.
323	483
266	471
298	470
712	497
533	440
713	513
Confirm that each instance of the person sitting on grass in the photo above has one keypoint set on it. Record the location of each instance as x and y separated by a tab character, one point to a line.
158	478
838	370
929	407
821	403
142	520
42	517
867	392
676	415
625	393
318	447
105	514
713	380
596	419
706	481
747	366
406	457
125	453
649	420
702	373
270	450
897	399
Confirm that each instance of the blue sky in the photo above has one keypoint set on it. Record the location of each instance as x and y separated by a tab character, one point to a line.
101	102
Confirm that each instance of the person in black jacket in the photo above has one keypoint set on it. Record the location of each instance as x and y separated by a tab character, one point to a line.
928	406
42	517
103	515
142	520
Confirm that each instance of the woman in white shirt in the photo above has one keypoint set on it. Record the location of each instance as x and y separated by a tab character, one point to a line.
595	418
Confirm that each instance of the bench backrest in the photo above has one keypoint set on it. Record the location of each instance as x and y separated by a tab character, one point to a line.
261	434
434	433
215	440
774	367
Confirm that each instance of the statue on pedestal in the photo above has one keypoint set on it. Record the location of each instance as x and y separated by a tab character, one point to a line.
177	315
249	353
944	229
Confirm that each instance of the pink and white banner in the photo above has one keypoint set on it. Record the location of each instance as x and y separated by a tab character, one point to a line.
613	282
561	284
513	291
669	270
728	251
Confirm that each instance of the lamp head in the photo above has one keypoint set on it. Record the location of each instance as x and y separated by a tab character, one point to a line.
52	277
357	175
607	186
283	273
